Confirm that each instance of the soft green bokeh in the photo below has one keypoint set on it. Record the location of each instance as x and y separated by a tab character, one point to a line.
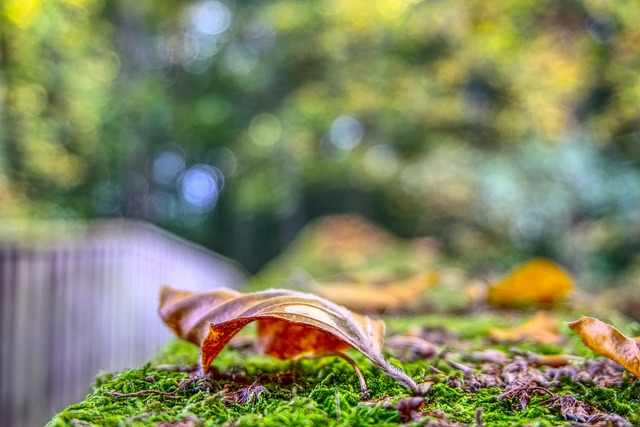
489	125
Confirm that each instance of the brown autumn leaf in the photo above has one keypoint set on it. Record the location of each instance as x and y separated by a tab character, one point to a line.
537	282
542	329
367	297
609	342
291	325
552	360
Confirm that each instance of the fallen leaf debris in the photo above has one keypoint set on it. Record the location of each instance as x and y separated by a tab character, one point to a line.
291	325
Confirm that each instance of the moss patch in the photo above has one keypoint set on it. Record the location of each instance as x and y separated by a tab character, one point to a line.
257	390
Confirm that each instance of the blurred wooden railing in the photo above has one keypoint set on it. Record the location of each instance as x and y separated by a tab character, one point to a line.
84	300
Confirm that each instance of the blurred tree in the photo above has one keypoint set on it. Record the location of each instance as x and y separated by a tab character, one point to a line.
58	69
234	123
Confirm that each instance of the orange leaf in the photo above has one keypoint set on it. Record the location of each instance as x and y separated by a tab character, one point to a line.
542	329
609	342
290	325
540	281
366	297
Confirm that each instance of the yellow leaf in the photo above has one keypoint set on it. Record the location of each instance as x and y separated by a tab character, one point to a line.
609	342
542	329
538	282
290	325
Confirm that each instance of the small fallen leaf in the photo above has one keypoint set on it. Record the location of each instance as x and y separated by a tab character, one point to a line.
542	329
291	325
367	297
609	342
553	360
538	282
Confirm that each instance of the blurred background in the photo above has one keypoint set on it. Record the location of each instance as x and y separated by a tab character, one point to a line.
504	130
494	127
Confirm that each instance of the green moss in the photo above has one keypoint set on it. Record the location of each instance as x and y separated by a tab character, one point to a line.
325	392
623	400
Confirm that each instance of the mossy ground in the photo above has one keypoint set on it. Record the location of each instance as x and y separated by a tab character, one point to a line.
325	392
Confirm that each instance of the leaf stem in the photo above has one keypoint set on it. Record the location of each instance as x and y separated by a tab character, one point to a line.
363	384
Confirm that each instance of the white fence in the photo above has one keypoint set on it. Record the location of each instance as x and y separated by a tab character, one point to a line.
83	301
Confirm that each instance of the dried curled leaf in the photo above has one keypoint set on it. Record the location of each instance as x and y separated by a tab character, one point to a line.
290	325
542	329
367	297
538	282
609	342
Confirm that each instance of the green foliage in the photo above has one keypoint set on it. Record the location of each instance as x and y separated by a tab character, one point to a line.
482	123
